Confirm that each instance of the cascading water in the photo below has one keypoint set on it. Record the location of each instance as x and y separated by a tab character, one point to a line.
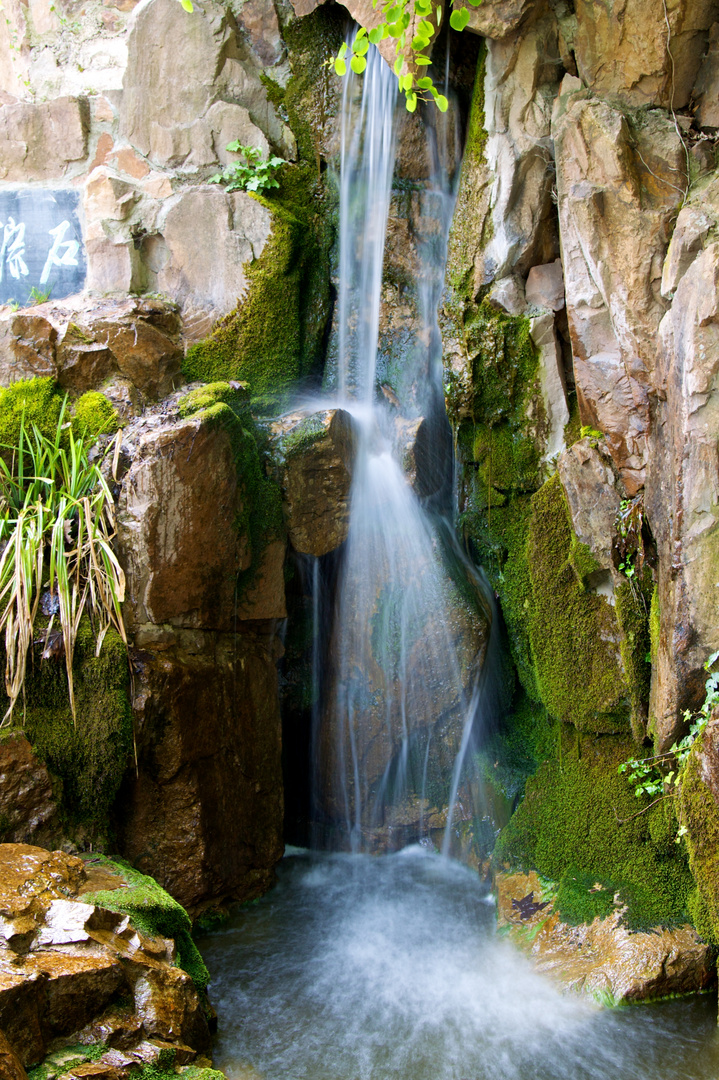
404	649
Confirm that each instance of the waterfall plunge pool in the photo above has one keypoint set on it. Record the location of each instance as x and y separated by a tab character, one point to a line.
356	967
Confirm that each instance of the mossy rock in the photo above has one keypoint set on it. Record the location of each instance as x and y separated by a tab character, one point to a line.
274	339
228	405
579	825
36	402
89	754
154	912
94	415
700	816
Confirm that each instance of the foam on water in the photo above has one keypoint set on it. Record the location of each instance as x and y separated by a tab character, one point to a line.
359	968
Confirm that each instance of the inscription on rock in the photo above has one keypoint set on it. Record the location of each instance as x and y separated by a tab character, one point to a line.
41	248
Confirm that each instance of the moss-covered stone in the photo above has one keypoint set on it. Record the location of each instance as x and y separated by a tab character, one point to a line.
34	401
261	520
632	604
578	825
699	812
89	755
275	337
94	415
154	912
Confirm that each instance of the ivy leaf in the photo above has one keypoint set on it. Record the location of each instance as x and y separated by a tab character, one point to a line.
343	50
340	66
438	14
360	33
419	43
358	64
398	64
375	35
442	103
459	18
422	61
187	5
360	46
411	102
424	83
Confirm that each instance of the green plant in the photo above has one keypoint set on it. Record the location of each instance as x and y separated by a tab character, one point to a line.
39	296
56	528
250	174
660	775
412	24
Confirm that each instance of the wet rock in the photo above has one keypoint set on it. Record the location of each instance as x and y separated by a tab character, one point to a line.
508	294
178	509
317	452
618	190
603	960
621	48
10	1065
27	803
167	1003
496	19
38	141
205	814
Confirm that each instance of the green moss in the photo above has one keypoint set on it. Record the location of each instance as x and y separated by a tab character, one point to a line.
654	625
581	898
579	818
261	517
700	816
275	337
572	429
61	1061
570	631
38	400
581	560
632	600
154	912
89	756
311	98
522	741
94	415
302	436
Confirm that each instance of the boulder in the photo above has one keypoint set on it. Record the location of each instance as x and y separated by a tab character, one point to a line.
549	412
317	453
38	141
618	190
169	1007
706	88
10	1065
204	814
692	225
496	19
545	286
27	803
603	960
623	48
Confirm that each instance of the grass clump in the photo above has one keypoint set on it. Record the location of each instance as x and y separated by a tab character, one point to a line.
155	913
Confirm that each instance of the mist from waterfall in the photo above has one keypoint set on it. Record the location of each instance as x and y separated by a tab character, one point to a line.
401	691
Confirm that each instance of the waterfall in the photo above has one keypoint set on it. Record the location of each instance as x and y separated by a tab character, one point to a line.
404	652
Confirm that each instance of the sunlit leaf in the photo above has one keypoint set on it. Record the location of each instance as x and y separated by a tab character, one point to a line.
358	64
459	18
340	66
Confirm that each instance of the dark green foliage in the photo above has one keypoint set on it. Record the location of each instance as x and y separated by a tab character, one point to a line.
632	605
90	756
154	912
579	814
700	818
514	752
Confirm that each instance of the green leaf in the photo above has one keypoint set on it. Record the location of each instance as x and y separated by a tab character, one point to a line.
438	14
406	81
343	50
340	67
411	102
375	35
361	33
425	28
422	61
187	5
459	18
424	83
395	29
398	65
360	46
442	103
419	43
358	64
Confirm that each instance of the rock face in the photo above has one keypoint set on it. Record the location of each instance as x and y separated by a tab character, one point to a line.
618	189
63	961
603	960
41	140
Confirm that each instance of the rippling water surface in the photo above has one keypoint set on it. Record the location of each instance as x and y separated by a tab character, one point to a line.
362	968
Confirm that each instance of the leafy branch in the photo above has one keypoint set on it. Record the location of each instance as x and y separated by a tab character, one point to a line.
413	25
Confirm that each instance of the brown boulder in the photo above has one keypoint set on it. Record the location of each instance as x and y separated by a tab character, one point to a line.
317	453
168	1005
10	1064
178	537
205	814
27	347
27	804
